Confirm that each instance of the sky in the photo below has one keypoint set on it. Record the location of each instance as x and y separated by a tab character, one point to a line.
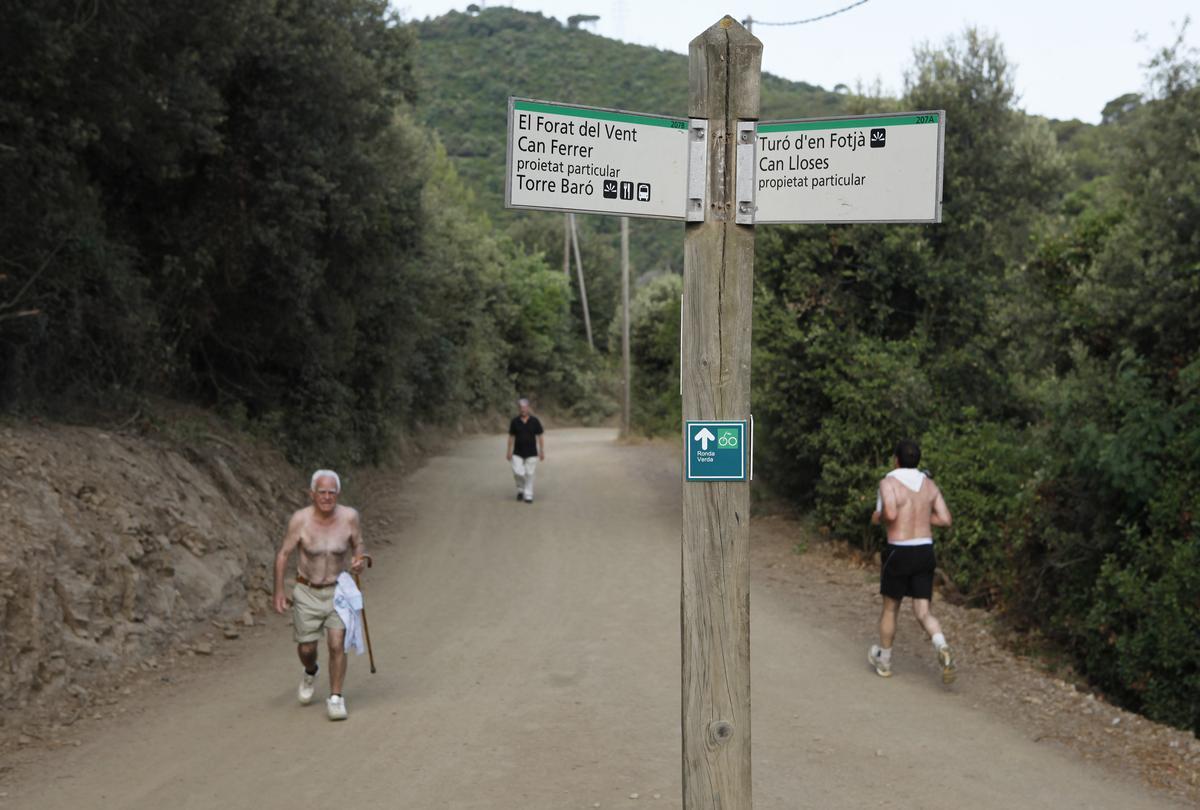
1071	56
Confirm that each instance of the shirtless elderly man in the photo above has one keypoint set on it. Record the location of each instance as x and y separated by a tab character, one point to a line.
325	533
910	504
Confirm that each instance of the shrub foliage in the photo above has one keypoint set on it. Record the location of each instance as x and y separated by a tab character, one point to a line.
230	202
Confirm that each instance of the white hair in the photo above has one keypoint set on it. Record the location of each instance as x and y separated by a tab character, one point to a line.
522	401
319	474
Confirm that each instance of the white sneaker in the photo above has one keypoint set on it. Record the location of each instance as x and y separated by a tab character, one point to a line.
308	685
335	705
882	668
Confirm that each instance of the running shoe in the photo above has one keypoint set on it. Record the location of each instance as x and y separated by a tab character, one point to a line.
308	685
335	706
874	657
946	659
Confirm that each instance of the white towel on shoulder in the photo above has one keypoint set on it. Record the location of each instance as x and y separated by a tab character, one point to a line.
909	477
348	602
913	479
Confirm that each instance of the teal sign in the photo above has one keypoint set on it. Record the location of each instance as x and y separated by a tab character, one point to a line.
715	451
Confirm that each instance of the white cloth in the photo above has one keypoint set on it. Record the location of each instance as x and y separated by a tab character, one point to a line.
348	602
909	477
913	479
916	541
523	470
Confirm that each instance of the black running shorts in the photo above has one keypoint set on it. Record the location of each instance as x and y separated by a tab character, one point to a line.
907	571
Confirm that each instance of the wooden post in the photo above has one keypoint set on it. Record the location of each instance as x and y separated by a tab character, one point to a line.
587	316
724	66
626	412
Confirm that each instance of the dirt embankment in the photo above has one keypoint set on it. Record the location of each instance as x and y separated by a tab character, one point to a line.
113	548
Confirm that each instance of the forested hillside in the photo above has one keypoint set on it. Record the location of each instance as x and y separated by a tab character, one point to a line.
232	203
471	63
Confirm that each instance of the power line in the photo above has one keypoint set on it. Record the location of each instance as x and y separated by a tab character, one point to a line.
750	21
619	18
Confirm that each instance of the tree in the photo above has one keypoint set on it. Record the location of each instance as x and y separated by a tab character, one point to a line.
230	202
654	354
576	20
1120	107
873	332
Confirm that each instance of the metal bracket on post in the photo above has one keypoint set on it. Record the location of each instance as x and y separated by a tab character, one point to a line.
751	447
697	188
747	149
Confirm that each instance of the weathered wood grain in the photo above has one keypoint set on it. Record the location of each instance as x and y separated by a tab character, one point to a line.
724	69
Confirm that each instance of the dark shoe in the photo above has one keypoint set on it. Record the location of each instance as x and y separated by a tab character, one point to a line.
520	497
946	659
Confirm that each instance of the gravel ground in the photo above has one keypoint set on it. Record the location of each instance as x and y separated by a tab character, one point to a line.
529	658
1046	701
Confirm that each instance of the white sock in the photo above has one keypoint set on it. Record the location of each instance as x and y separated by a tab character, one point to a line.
939	641
885	654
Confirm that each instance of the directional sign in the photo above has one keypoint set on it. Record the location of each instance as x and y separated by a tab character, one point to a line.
716	451
871	168
564	157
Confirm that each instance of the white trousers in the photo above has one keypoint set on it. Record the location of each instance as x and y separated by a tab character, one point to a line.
523	470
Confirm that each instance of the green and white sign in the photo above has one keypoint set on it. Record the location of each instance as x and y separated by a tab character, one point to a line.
871	168
591	160
716	451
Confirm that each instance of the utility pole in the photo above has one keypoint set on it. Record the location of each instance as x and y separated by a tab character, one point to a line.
567	245
587	317
626	410
724	75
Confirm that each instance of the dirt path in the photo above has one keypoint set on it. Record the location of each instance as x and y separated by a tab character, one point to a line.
529	658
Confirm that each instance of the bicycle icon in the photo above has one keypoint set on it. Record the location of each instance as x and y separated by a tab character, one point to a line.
727	438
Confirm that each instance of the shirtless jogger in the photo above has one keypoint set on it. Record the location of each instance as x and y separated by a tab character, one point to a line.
910	504
324	533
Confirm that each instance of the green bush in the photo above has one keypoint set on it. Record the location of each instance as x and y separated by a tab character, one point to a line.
1117	531
987	473
654	355
230	203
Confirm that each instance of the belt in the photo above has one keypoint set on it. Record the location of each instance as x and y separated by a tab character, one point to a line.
301	580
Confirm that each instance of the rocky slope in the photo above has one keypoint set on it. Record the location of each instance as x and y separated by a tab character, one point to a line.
113	547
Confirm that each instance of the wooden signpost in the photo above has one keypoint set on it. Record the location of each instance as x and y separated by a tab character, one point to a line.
718	270
720	171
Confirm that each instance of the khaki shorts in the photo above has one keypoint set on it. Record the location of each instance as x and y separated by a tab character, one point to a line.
312	612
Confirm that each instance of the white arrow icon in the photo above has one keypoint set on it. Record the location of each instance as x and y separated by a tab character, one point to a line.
704	437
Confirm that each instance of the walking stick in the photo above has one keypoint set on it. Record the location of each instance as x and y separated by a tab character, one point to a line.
366	630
